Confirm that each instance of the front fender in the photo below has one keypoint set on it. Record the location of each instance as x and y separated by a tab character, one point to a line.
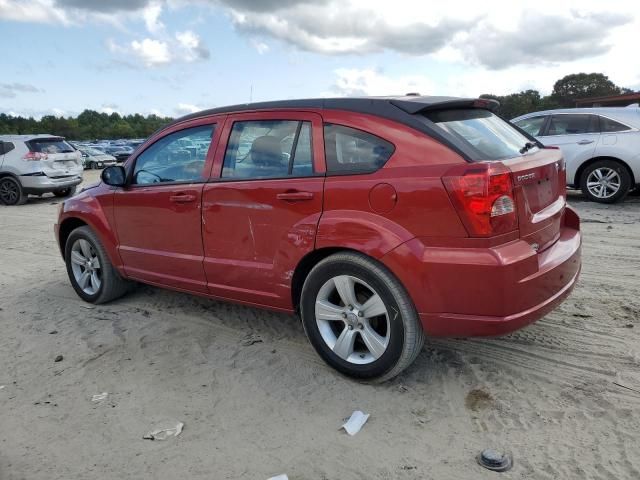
371	234
97	213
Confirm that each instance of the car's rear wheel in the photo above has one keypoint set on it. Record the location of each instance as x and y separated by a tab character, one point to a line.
605	181
66	192
359	318
92	276
11	192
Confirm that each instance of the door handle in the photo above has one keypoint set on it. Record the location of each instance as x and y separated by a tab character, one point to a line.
585	142
294	196
182	198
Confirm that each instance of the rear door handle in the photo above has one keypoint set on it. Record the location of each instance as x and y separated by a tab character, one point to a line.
294	196
182	198
585	142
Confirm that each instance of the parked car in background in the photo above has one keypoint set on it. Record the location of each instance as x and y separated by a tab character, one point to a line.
37	164
601	147
380	220
121	153
92	158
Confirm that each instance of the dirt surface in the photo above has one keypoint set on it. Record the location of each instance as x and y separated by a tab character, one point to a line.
257	401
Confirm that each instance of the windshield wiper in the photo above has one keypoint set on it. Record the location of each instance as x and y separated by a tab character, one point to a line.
527	146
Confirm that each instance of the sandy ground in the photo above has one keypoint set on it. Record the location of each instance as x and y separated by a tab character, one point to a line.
546	393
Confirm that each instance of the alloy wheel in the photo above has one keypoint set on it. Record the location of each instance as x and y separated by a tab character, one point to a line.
9	192
603	182
85	265
352	319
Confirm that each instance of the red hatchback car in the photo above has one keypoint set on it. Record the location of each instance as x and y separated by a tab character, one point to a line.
379	220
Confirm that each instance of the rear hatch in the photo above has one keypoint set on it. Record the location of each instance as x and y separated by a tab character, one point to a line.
57	157
522	181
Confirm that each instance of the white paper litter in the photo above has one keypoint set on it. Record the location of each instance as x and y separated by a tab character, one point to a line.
164	433
98	397
279	477
355	422
2	386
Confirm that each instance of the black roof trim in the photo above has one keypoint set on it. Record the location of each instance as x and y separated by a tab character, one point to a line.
399	109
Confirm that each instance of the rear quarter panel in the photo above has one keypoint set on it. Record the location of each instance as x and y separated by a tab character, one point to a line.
624	146
419	205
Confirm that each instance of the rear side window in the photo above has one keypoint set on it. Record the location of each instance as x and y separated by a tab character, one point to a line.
573	124
49	145
268	149
351	150
608	125
6	147
490	137
531	125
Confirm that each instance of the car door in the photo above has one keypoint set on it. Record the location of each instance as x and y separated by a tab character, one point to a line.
261	209
158	214
576	134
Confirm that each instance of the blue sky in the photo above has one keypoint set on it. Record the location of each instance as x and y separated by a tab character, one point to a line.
174	56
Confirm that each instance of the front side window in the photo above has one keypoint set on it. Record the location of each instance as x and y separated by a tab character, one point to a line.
178	157
531	125
351	150
572	124
607	126
268	149
490	137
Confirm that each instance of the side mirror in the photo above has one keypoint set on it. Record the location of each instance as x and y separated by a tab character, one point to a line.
115	175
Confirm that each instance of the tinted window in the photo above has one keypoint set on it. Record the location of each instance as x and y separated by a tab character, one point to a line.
608	125
531	125
49	145
491	137
268	149
348	149
6	147
571	124
178	157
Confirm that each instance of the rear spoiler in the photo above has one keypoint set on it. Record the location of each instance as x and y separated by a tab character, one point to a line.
413	105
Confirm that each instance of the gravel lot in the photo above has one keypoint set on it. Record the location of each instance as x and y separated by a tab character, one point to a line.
553	394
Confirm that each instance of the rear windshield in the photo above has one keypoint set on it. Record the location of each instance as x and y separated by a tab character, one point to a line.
92	151
49	145
488	136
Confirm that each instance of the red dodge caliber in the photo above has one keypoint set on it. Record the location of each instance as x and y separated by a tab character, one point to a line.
380	220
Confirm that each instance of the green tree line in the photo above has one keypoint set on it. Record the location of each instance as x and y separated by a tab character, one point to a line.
564	94
88	125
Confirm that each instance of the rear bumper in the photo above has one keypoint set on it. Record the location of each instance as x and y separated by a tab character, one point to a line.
42	184
465	292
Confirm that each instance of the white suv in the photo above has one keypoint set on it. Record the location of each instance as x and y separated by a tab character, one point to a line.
601	147
37	164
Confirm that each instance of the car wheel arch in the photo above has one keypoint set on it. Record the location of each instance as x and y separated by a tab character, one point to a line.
584	165
66	227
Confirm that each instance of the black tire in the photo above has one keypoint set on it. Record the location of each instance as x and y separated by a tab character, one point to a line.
112	284
11	192
405	334
66	192
619	168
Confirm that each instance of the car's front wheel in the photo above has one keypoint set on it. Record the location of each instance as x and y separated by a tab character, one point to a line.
92	275
11	192
359	318
605	181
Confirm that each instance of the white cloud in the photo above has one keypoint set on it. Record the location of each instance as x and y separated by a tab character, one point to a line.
184	108
151	52
260	47
35	11
151	15
191	47
362	82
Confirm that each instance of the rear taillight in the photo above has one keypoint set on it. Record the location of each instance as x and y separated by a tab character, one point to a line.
483	196
34	156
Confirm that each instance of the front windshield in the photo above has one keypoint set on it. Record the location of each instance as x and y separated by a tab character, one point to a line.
490	136
92	151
